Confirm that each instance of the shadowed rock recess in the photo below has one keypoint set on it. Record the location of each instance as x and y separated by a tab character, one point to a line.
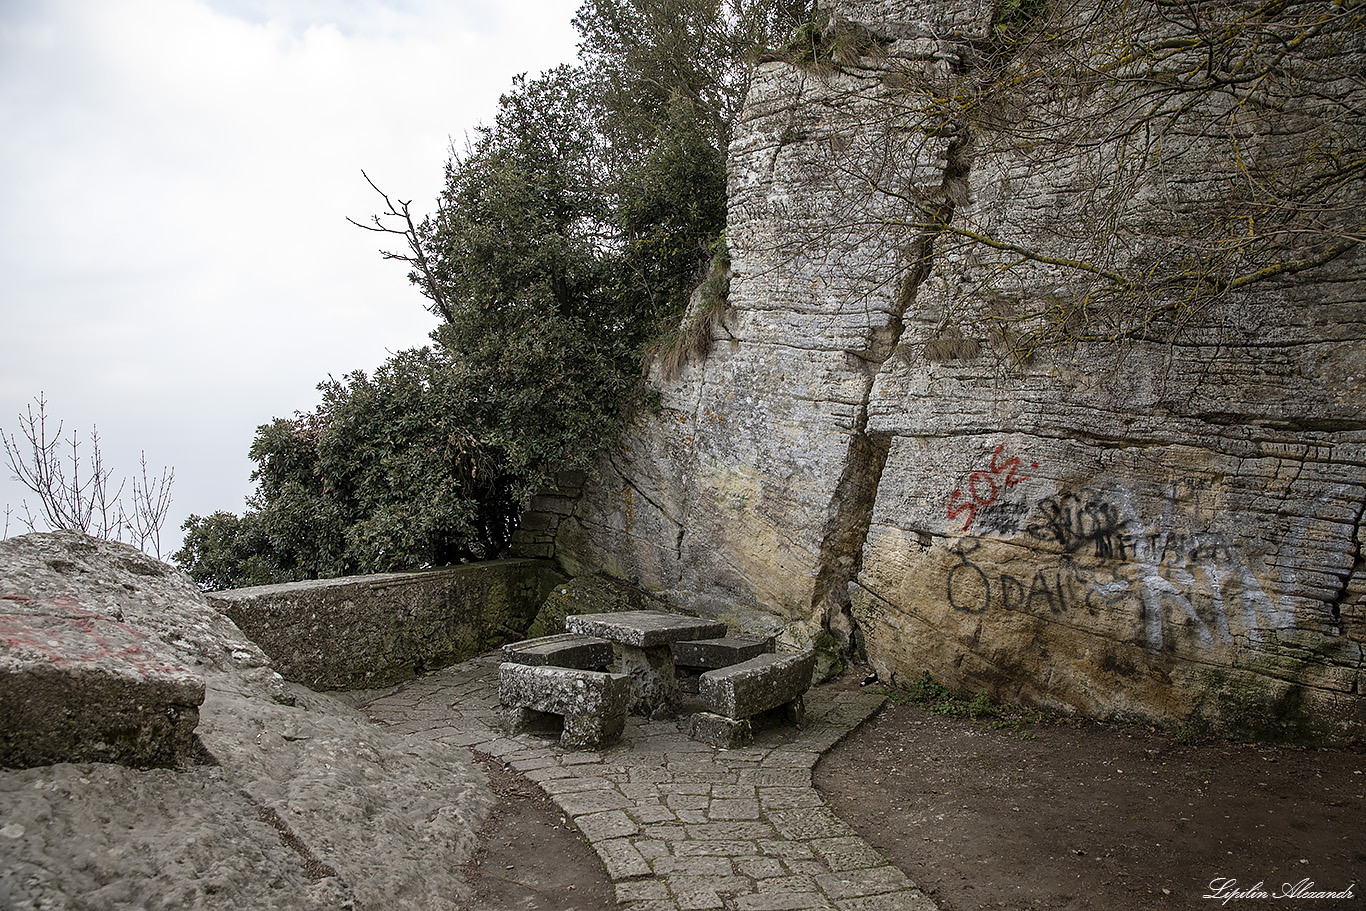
1163	527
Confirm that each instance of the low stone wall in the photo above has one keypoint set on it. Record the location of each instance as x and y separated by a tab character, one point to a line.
370	631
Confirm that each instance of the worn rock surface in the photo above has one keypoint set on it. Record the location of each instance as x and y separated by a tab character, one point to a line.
79	687
1167	529
296	801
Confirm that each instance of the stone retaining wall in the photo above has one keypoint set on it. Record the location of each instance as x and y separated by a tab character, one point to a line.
370	631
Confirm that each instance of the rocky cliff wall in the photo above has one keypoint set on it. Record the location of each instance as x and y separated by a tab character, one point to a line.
1160	525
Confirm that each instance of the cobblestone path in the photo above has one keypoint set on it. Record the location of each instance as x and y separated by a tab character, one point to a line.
678	824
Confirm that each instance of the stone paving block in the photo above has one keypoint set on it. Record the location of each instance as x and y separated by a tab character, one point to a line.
651	813
580	803
809	822
910	900
666	832
573	785
796	759
651	775
693	816
787	798
732	791
715	848
846	853
650	848
782	901
528	763
621	858
640	889
580	759
687	801
609	824
760	867
733	884
733	809
698	900
794	778
867	881
547	774
692	866
784	848
717	831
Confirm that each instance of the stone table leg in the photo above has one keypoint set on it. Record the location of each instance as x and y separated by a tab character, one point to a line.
653	684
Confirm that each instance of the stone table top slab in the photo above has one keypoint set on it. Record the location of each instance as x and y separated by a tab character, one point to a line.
644	628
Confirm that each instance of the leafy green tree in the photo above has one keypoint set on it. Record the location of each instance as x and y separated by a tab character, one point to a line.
389	472
569	233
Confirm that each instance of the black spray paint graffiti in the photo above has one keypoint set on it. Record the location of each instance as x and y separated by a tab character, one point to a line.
1197	584
1082	521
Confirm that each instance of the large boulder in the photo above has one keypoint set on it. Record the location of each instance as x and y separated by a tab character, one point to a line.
279	798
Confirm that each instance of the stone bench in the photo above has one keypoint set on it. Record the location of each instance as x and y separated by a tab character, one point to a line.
734	695
587	653
592	704
694	657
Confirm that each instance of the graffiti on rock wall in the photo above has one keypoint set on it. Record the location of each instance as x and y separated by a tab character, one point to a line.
1080	521
983	491
1195	586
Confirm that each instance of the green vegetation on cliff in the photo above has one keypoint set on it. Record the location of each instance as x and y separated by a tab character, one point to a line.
570	234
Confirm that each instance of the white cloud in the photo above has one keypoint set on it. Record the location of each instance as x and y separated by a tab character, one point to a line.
175	263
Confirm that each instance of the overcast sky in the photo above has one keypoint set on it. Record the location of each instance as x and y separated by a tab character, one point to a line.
175	177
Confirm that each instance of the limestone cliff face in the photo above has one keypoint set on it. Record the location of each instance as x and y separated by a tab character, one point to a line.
1166	529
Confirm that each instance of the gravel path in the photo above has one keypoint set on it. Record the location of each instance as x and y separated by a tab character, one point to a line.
679	825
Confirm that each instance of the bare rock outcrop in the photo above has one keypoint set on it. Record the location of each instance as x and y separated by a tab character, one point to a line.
1163	524
279	798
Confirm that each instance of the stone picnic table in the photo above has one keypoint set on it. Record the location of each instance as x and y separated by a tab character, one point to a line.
645	638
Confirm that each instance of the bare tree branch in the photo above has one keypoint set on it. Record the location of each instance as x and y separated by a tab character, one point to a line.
423	275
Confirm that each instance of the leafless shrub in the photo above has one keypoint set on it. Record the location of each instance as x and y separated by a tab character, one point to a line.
75	489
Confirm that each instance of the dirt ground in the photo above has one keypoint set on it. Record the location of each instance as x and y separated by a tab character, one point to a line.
532	858
989	813
1087	815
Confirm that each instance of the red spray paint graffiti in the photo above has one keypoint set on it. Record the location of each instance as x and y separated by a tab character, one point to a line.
984	487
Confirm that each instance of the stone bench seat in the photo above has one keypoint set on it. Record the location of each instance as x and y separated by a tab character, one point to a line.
693	657
736	694
592	703
722	652
561	650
